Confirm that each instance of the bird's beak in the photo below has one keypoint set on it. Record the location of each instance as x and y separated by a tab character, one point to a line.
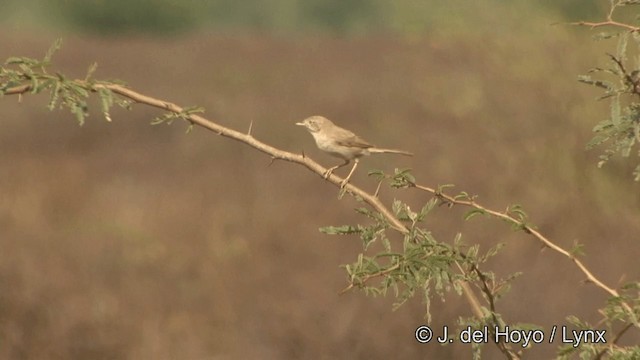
300	123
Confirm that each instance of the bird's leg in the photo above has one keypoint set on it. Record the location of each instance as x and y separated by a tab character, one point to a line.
346	180
330	171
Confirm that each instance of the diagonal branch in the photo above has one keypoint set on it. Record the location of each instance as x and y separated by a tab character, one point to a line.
277	154
609	21
613	23
247	138
447	199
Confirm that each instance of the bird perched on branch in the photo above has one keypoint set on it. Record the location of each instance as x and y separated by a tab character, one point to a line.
341	143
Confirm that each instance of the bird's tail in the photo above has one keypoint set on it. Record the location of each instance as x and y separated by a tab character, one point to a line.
390	151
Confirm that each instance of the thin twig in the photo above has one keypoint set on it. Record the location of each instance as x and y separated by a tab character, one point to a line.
544	240
614	341
594	25
277	154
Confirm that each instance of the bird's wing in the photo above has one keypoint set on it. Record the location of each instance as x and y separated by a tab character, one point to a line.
345	137
353	141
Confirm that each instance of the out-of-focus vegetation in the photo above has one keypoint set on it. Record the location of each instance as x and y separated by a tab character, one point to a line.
287	16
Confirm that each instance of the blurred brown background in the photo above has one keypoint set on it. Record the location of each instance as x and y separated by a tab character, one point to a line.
128	241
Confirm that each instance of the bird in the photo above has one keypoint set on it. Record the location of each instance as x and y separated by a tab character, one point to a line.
342	144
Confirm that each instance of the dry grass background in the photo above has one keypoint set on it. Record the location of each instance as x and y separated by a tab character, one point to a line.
126	241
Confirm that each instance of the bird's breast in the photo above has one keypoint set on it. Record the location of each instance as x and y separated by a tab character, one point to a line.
331	146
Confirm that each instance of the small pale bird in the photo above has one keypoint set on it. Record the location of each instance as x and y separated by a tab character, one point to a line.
341	143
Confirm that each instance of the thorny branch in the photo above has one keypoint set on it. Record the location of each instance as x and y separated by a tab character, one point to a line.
450	200
276	154
609	21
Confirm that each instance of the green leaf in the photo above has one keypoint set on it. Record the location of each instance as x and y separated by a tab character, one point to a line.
386	244
426	209
621	51
379	175
472	252
615	111
15	60
599	83
457	241
603	125
577	249
106	101
442	188
463	195
78	89
189	110
80	114
55	47
597	140
493	251
35	85
366	212
473	212
516	211
605	36
339	230
44	85
91	71
55	94
402	178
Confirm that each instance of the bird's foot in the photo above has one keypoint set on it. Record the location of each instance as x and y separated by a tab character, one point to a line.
328	173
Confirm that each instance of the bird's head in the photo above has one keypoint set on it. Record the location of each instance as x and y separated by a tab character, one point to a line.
315	123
